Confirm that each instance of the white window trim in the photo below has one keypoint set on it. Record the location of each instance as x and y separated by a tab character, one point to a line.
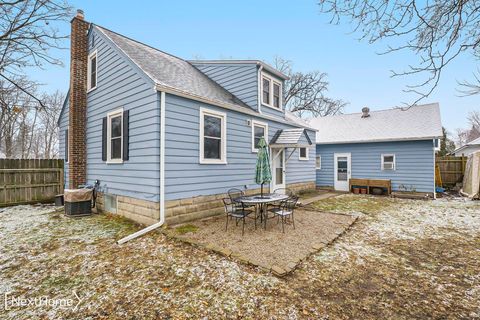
110	115
318	167
394	161
307	154
269	92
258	124
223	144
280	106
279	83
89	71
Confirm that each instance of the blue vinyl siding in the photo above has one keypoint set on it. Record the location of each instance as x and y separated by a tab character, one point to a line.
414	163
186	177
120	84
63	125
273	112
239	79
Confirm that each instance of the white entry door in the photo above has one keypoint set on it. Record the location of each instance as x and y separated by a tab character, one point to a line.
278	168
342	164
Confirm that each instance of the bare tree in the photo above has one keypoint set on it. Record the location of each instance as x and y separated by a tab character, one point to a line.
466	135
470	88
305	93
28	32
48	136
461	137
474	119
28	129
13	102
436	31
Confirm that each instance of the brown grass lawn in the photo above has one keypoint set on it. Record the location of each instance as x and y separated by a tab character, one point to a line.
403	259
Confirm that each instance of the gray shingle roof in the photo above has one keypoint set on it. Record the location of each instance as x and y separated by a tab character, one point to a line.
417	122
472	143
170	71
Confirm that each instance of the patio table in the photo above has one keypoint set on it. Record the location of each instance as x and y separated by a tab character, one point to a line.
261	201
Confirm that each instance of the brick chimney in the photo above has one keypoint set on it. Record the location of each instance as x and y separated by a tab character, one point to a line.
77	153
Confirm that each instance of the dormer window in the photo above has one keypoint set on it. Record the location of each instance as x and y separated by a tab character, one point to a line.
276	95
271	92
266	91
92	71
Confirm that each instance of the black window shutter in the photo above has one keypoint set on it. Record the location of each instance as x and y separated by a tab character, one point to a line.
125	134
66	145
104	139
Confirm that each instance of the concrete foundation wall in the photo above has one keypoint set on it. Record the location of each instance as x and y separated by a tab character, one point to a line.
181	210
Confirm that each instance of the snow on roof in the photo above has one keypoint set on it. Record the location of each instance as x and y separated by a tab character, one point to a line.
475	142
414	123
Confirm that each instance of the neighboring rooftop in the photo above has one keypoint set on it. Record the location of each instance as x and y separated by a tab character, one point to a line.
414	123
475	142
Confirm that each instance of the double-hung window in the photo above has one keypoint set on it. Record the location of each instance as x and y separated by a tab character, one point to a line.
266	90
303	153
388	162
276	95
259	130
271	92
92	71
115	136
213	137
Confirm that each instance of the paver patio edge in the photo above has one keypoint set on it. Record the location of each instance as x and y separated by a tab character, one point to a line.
277	270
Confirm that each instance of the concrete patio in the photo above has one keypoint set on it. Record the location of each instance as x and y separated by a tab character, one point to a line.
269	249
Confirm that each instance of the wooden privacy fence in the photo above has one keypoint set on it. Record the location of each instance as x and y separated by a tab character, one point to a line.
451	169
30	180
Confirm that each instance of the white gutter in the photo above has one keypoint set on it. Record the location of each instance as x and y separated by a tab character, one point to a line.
228	106
162	178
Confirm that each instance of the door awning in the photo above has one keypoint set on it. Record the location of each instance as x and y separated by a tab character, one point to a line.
291	138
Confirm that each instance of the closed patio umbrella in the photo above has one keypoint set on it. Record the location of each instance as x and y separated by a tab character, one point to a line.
263	174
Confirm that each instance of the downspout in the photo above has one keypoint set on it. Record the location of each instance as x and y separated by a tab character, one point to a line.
259	77
162	178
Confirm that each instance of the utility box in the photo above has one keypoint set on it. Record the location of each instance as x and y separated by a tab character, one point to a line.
78	202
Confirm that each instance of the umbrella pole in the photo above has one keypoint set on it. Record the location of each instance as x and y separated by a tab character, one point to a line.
261	190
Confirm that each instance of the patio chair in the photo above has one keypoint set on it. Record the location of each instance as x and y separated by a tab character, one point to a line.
235	193
285	210
287	191
237	211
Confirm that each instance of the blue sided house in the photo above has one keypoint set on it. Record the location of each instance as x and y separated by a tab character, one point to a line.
165	137
396	145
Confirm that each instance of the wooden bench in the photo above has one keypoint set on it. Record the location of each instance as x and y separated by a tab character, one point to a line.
378	183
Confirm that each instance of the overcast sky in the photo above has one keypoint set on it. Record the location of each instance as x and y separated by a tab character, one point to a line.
293	30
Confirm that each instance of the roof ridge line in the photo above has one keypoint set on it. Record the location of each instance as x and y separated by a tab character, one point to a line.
142	43
381	110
